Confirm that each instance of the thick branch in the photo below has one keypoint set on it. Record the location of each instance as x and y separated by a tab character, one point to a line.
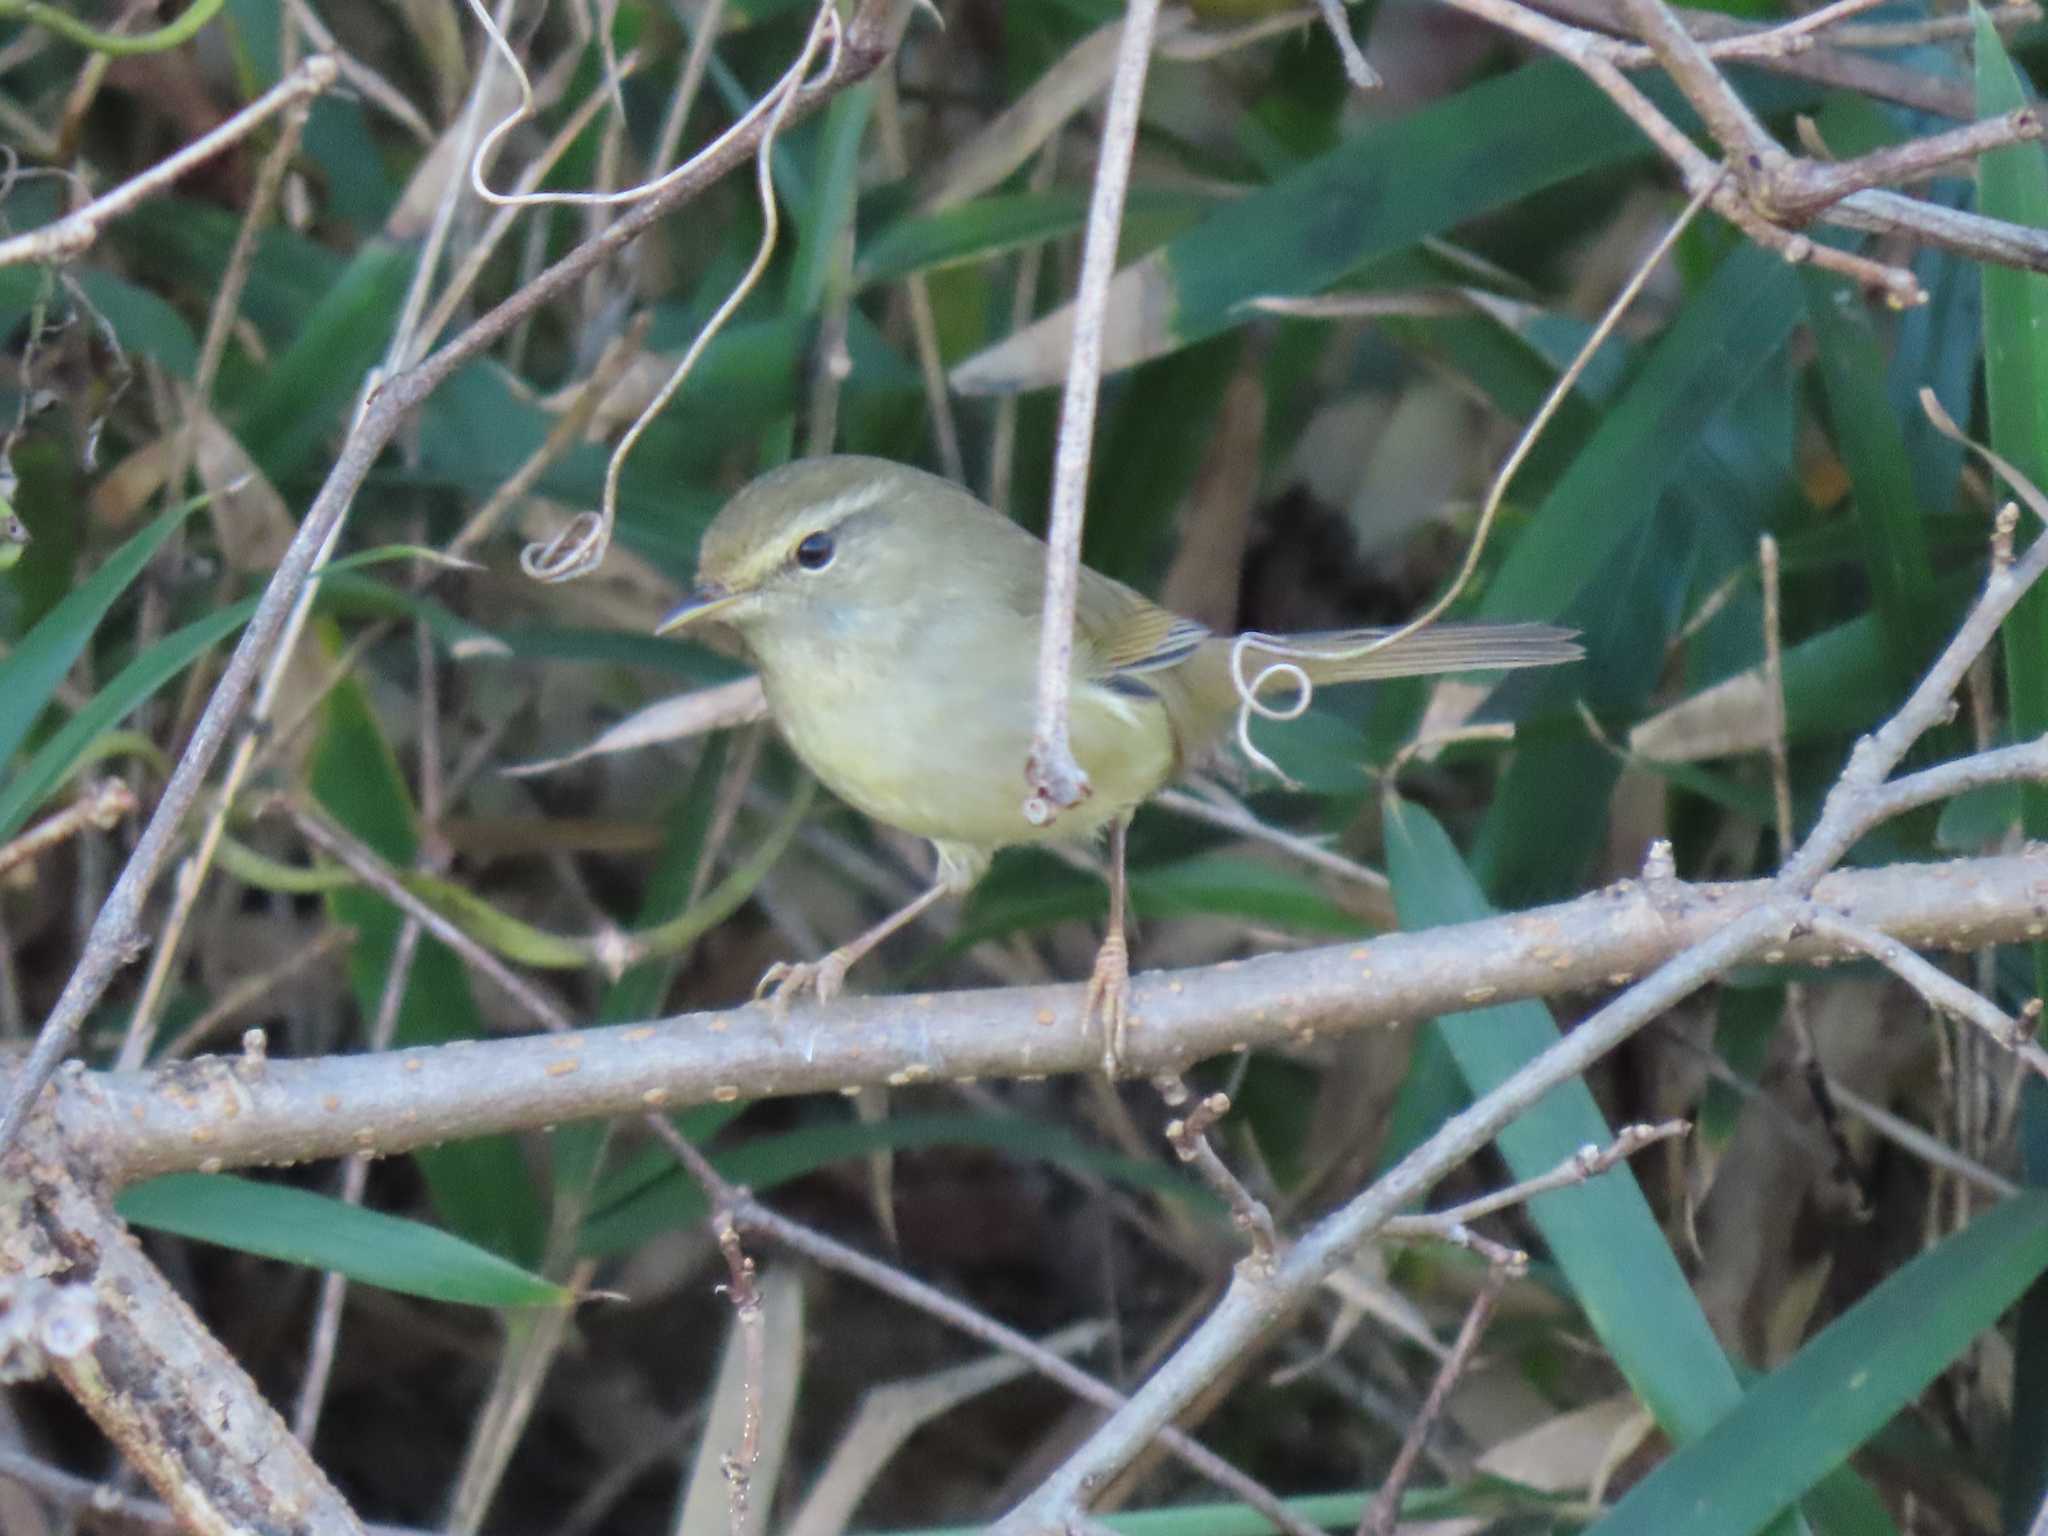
217	1112
86	1304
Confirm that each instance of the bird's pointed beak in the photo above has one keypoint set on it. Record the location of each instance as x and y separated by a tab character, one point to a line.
707	602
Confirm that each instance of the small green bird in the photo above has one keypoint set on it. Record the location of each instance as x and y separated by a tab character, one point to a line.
894	620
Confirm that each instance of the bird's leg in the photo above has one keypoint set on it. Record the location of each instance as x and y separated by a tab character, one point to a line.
1109	987
784	980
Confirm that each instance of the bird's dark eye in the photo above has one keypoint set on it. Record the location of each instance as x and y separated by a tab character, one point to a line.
816	551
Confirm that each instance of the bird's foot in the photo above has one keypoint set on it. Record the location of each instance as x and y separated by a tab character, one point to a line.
1109	999
787	980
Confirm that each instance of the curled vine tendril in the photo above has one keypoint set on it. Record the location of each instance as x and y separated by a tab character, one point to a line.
578	548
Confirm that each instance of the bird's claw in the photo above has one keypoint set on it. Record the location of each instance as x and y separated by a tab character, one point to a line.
787	980
1109	999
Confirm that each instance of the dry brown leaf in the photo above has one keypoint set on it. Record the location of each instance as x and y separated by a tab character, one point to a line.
891	1413
1008	141
1137	326
250	520
1208	568
448	160
1574	1450
688	714
1728	719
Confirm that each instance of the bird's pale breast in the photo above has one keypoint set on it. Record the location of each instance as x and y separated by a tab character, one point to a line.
945	758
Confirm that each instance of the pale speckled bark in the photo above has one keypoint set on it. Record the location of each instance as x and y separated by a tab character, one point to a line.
161	1387
222	1112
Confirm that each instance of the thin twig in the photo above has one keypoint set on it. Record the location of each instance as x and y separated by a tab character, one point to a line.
102	805
373	86
1586	1163
738	1463
67	238
1356	68
1385	1509
1934	29
462	281
1055	780
703	33
354	1179
833	1254
917	293
1931	1150
1940	990
1797	1016
1002	448
1774	695
1216	811
1821	62
1189	1136
346	849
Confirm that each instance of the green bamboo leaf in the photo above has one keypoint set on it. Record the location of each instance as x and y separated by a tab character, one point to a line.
1631	535
2012	183
992	226
70	746
1722	340
303	396
1809	1415
826	219
1378	192
971	231
301	1227
1601	1234
483	1189
145	324
30	675
184	244
1869	434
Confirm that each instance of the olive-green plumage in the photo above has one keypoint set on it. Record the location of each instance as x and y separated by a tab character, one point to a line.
895	622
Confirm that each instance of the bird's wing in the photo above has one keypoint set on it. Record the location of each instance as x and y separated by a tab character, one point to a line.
1123	635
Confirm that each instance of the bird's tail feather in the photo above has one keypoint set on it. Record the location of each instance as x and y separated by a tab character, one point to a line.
1351	655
